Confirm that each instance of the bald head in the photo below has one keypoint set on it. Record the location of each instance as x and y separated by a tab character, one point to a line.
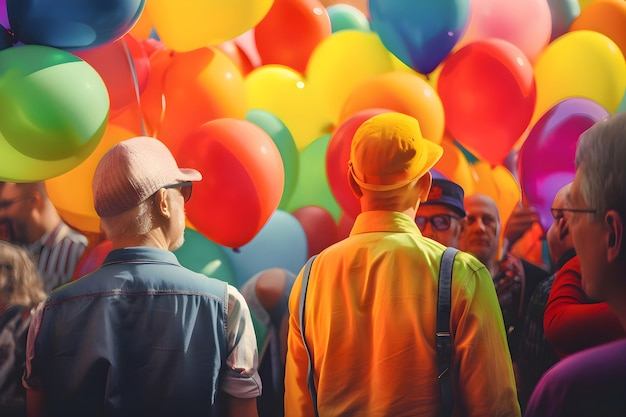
481	228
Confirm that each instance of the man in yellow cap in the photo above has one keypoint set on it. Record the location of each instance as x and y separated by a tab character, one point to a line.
363	317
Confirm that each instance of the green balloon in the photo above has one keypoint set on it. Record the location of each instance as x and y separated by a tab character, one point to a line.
283	139
347	17
313	188
53	105
205	257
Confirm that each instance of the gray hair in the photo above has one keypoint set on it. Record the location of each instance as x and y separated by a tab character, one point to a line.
601	155
132	223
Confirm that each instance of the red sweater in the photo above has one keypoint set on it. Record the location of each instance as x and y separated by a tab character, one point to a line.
571	321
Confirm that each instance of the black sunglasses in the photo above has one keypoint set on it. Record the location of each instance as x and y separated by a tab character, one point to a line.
184	187
440	222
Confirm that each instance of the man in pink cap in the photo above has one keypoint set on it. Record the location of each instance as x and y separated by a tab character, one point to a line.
142	335
362	338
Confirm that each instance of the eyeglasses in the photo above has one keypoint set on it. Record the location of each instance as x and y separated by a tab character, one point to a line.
440	222
557	213
4	204
185	188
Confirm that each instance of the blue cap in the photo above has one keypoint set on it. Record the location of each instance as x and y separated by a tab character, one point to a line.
446	193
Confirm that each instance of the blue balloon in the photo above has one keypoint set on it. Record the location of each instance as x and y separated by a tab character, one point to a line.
72	24
281	243
420	33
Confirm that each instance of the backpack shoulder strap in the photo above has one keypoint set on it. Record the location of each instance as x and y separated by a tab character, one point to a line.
305	284
443	337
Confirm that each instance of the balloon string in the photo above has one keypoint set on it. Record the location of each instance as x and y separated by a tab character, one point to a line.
131	63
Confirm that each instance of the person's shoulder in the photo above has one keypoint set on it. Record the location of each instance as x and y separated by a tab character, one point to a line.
606	359
468	261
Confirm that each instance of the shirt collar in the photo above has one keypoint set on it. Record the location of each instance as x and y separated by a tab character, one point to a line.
139	253
384	221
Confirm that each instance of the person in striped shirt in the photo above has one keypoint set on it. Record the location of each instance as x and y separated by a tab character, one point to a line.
35	224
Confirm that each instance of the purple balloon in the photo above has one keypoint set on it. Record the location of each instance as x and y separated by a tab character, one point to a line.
4	17
546	159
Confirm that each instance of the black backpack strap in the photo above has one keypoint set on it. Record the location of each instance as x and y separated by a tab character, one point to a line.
444	339
305	284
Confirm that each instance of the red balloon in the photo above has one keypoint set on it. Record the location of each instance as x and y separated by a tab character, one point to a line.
488	93
243	179
337	157
290	31
319	226
124	67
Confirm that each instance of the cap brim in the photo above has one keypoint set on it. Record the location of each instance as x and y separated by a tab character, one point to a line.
190	174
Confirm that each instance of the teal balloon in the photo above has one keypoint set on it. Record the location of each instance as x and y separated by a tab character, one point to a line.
313	188
622	104
72	25
281	243
347	17
283	139
563	13
205	257
53	105
420	33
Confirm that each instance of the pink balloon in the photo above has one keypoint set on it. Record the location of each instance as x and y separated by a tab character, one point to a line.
527	24
546	159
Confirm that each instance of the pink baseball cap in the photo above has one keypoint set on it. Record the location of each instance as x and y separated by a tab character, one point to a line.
133	170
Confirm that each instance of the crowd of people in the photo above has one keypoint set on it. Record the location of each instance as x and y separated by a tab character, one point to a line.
356	331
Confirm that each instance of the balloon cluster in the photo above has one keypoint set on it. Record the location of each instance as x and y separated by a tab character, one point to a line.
263	97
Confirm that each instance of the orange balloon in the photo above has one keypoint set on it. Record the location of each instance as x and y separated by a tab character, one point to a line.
290	31
401	92
243	179
199	86
71	193
498	183
454	166
604	16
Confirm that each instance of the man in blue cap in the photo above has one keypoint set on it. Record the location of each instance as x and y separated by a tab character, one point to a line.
439	217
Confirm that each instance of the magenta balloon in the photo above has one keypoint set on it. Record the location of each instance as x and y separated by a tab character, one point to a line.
546	159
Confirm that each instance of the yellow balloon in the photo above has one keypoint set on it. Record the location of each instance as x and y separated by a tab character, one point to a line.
71	193
584	3
582	63
285	93
185	25
341	62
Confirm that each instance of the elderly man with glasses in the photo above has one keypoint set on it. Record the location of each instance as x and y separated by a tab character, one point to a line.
592	382
142	335
439	217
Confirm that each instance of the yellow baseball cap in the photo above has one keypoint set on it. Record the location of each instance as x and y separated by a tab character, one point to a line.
388	152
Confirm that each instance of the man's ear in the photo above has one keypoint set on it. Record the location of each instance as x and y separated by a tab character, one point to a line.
162	204
424	184
354	186
615	235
